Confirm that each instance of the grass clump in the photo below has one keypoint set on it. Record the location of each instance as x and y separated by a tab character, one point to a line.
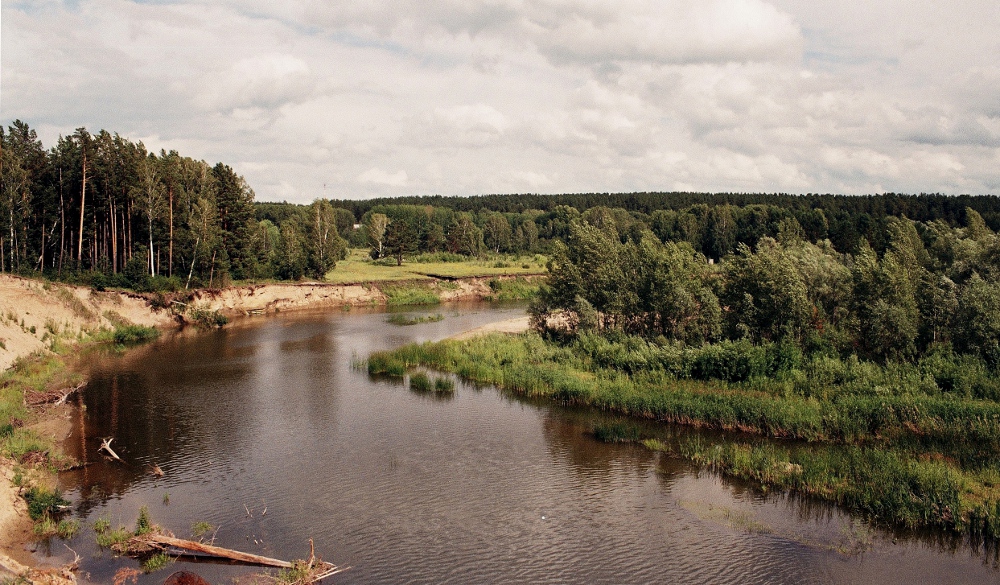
67	529
404	319
384	365
411	294
444	385
44	503
143	524
207	318
113	539
616	432
156	562
200	529
130	335
420	382
513	289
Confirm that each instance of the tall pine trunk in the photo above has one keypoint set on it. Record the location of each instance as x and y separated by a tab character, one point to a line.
83	206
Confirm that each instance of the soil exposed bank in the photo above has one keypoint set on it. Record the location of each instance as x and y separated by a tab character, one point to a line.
34	312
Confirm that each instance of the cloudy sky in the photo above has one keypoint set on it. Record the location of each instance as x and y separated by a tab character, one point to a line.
357	98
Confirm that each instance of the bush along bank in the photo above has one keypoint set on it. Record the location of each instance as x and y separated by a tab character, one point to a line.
911	444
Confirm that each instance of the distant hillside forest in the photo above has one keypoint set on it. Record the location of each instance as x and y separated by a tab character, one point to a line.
100	208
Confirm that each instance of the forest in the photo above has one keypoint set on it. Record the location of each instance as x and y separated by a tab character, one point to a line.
866	327
100	209
882	364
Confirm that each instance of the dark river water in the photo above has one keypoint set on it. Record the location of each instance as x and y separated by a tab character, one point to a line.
269	431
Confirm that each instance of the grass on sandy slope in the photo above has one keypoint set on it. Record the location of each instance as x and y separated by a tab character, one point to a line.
358	267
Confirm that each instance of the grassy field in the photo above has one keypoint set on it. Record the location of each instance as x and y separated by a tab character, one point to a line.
359	267
873	441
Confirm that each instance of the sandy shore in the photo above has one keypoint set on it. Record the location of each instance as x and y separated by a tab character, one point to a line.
516	325
32	312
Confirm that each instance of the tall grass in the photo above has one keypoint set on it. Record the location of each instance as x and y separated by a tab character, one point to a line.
514	289
888	427
409	294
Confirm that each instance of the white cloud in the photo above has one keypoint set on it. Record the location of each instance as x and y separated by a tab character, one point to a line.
310	98
378	176
264	81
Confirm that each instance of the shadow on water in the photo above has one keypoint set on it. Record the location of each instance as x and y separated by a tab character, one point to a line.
446	487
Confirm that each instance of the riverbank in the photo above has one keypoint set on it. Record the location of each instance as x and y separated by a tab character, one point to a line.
868	437
43	324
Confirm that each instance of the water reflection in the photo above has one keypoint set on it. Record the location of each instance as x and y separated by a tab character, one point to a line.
417	487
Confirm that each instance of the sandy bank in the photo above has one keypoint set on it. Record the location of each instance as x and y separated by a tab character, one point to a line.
516	325
33	312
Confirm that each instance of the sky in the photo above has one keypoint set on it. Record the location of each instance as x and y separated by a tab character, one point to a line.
352	99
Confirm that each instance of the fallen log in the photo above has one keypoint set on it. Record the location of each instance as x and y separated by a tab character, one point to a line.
215	551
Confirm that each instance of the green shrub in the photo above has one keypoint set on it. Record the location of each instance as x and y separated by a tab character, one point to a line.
207	318
129	335
43	503
143	524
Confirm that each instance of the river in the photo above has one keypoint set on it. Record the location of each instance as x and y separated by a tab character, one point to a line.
270	432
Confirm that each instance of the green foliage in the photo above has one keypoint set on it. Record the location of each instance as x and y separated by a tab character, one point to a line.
113	538
513	289
207	318
156	562
409	294
43	503
445	385
67	529
143	524
616	432
420	382
908	444
765	294
200	529
130	335
404	319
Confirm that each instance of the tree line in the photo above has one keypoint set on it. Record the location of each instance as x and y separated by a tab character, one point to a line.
102	206
932	285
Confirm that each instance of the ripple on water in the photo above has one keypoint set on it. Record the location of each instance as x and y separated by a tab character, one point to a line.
406	489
